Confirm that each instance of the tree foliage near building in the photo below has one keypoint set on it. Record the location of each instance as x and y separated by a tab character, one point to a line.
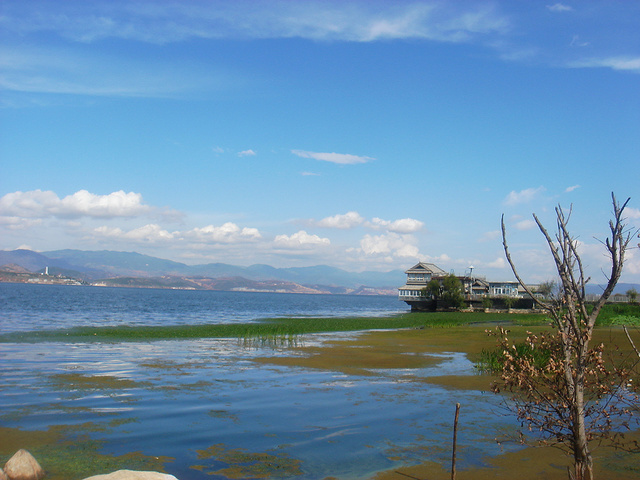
446	292
452	296
561	385
434	288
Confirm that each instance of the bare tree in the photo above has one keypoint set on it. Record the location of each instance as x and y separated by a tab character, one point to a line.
566	390
546	289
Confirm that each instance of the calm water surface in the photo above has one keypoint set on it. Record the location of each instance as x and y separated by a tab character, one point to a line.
32	307
178	398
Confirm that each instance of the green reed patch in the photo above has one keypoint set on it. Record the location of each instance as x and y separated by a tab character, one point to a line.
278	328
615	309
624	320
620	314
492	361
271	341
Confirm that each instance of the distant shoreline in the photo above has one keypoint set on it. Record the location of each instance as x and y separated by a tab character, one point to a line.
234	284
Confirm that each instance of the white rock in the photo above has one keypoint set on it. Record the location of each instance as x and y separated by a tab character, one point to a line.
22	466
2	475
132	475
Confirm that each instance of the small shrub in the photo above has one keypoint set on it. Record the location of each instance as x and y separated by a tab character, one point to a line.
625	320
494	360
509	302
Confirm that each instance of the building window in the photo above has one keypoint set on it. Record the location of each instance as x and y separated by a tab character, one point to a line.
418	277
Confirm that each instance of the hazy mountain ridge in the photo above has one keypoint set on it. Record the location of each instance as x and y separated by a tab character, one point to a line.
106	264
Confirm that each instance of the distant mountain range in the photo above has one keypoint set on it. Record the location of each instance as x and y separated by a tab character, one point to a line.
135	269
94	265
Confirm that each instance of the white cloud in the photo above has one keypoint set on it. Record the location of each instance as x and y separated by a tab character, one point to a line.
376	244
116	204
595	259
339	158
77	69
404	225
497	263
19	223
354	219
559	7
576	42
247	153
440	259
43	204
148	233
343	222
407	251
632	213
35	203
300	239
490	236
164	22
631	64
525	224
151	232
523	196
57	70
227	233
632	262
391	244
571	189
112	232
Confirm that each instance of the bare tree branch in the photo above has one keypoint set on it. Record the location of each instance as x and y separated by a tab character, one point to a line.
540	303
555	396
633	345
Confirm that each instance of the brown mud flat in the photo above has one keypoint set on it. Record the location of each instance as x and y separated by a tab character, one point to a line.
397	349
531	463
408	349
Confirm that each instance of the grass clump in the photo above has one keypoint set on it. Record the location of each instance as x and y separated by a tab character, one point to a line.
492	361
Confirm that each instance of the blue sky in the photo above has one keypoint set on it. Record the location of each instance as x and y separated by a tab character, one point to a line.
367	135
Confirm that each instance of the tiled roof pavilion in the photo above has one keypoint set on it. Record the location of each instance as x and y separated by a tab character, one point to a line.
426	268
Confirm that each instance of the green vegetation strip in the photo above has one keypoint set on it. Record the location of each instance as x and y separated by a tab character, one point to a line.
284	329
270	328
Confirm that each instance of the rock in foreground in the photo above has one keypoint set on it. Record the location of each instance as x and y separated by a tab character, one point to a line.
22	466
132	475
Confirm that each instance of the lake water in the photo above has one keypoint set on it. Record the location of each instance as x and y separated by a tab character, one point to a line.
205	402
33	307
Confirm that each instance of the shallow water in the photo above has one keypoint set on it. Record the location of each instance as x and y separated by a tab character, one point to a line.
179	398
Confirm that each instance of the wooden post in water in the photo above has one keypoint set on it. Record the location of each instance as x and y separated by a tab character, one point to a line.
455	441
